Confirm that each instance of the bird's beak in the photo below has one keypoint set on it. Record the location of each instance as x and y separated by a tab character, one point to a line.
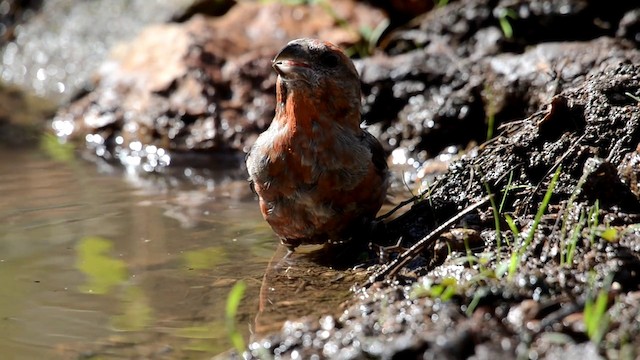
290	60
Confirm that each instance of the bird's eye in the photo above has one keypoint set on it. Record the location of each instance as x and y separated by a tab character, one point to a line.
329	60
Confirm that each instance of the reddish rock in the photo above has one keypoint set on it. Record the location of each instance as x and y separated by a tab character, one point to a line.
436	83
205	85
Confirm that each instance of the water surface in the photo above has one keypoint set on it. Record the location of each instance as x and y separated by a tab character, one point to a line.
100	262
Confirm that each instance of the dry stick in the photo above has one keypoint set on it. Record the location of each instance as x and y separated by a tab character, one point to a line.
398	207
409	254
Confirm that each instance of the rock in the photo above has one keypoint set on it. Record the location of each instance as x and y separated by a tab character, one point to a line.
521	23
22	117
448	75
629	171
421	102
205	85
629	27
402	11
54	53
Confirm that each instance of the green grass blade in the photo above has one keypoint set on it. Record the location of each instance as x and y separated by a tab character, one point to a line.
542	208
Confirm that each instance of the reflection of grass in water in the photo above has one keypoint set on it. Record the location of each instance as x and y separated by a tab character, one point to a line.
137	314
206	337
103	272
262	240
207	258
58	151
203	334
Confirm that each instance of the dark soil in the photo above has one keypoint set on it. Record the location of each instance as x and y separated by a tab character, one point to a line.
459	299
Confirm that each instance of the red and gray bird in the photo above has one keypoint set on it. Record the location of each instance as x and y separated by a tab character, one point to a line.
320	177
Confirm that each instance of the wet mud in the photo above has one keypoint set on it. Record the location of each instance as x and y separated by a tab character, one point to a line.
564	179
534	104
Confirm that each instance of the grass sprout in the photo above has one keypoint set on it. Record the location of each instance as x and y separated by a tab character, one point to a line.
504	17
596	318
444	290
592	221
573	241
634	97
516	255
496	218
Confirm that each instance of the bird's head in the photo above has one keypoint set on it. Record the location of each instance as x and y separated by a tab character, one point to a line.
315	64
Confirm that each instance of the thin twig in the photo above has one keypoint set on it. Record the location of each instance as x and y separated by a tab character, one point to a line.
407	202
553	168
398	207
403	259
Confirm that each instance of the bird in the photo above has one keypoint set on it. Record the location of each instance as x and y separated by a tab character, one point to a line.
319	176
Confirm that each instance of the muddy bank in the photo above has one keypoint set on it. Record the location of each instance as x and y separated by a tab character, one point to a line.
529	290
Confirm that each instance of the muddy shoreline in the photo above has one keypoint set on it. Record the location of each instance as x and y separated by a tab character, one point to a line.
536	104
527	291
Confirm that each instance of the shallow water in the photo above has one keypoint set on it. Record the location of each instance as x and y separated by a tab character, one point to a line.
100	262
